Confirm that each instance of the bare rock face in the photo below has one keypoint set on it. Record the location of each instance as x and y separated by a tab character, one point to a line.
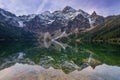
79	22
94	14
97	19
68	9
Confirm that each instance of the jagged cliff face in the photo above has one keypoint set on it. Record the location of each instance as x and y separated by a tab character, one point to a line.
67	19
97	19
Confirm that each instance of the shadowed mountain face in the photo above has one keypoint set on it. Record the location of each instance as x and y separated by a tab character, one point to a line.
68	18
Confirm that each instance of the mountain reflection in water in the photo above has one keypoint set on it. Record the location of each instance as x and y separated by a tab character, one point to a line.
33	72
33	61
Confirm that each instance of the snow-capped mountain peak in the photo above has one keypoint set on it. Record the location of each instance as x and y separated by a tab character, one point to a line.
68	9
47	21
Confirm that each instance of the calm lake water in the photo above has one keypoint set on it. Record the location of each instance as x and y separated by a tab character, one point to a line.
59	61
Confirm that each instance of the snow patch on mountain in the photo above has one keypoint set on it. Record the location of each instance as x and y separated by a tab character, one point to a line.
4	14
20	23
51	21
63	17
31	17
72	15
91	21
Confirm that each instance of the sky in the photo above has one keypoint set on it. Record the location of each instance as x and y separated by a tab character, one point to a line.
24	7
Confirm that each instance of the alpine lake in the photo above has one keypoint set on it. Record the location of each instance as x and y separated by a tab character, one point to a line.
55	60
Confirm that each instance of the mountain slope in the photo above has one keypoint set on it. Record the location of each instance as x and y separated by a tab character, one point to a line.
106	31
23	27
49	22
8	32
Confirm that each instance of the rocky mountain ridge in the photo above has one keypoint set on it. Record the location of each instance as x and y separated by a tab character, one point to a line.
66	19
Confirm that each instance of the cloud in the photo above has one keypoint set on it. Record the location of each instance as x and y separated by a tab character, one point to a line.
20	7
14	6
77	4
53	5
60	4
41	7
